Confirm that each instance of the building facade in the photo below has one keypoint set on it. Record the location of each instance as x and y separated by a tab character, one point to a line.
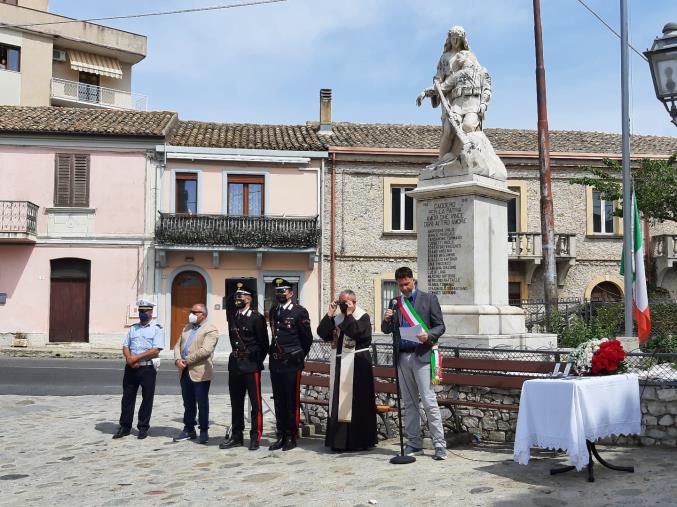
372	168
237	201
77	215
76	64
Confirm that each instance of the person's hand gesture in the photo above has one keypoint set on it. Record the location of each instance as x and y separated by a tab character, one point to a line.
331	311
350	307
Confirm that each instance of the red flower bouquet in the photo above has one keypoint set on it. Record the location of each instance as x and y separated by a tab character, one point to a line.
608	358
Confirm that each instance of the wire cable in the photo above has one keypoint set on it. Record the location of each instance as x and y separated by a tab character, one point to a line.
149	14
610	28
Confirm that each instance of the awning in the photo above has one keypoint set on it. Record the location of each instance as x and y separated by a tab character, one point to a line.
96	64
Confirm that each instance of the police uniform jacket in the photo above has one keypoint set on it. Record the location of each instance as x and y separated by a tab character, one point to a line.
292	337
249	341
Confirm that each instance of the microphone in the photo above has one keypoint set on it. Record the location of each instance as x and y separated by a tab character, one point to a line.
392	304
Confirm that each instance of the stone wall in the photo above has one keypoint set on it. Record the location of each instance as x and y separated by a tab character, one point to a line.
659	415
364	252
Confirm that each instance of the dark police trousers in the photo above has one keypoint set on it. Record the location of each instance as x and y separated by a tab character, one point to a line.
143	376
287	398
195	397
240	384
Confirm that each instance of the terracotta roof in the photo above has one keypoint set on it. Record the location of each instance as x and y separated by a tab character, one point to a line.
246	136
83	121
106	122
374	135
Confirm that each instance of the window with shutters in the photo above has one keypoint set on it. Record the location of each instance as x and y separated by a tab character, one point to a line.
71	180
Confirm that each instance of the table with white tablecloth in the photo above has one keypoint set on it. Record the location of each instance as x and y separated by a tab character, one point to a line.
569	413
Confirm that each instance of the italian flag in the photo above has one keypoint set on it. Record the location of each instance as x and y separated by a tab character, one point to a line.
640	300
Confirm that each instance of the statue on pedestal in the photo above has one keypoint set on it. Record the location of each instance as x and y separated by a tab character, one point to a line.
463	88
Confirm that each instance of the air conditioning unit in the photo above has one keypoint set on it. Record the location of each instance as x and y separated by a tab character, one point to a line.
59	55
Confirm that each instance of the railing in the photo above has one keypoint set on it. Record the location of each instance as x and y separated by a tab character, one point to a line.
18	217
652	368
665	245
529	244
73	91
238	231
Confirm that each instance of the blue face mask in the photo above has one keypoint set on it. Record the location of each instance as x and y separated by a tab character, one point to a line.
143	316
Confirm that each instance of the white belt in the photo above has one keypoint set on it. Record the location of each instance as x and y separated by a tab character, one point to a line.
146	362
356	352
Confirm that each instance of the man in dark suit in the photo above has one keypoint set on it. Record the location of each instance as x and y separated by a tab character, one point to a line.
413	362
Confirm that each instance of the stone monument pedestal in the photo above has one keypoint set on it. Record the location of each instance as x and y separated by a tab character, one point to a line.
462	229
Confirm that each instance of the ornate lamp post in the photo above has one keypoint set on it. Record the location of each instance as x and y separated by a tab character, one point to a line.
663	62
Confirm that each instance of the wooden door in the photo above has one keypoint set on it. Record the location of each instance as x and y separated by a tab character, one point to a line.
188	288
69	310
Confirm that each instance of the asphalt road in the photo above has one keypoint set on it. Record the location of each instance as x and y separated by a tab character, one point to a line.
77	377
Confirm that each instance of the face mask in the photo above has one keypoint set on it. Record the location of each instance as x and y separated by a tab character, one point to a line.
192	318
239	303
281	298
143	316
343	307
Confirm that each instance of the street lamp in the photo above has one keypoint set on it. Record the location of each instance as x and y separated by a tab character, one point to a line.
663	62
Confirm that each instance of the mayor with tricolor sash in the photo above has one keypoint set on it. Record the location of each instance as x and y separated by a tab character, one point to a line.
415	320
352	411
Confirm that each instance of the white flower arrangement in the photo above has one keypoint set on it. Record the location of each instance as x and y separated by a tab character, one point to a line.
581	356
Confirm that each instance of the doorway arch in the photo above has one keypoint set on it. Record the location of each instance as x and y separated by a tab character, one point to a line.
188	288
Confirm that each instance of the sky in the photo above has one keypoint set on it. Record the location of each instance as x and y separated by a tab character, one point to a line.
267	63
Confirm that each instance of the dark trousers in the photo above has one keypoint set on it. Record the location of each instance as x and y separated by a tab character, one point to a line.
195	397
287	397
240	384
143	376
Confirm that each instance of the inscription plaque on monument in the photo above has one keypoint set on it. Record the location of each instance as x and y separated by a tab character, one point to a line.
446	228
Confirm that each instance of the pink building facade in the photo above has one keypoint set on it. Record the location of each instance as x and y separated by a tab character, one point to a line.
77	215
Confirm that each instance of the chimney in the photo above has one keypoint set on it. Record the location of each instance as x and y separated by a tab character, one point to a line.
325	111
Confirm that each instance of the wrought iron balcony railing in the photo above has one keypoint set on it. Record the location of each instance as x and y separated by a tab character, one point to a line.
98	96
238	231
18	219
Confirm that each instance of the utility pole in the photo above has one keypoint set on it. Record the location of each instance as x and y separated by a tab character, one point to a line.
547	218
627	179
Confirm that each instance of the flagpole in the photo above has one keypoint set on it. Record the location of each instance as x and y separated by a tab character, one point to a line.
627	179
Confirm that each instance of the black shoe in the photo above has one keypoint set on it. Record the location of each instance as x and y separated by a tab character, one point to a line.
122	432
289	444
253	445
278	444
142	434
231	442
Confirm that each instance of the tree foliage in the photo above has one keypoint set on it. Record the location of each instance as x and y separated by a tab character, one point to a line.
655	186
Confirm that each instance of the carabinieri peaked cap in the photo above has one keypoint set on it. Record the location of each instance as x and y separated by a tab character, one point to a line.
281	284
242	287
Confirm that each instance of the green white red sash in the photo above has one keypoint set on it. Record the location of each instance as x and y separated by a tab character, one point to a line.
412	318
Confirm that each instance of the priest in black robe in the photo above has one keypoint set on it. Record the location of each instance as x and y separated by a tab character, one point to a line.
351	425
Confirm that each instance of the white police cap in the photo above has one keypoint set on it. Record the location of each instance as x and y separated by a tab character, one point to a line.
144	304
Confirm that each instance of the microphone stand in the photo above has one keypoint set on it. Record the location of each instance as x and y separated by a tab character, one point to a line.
400	459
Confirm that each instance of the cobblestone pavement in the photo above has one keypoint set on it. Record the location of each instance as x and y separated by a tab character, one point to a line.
59	451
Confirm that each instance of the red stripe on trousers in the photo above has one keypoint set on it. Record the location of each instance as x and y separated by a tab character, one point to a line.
298	402
259	418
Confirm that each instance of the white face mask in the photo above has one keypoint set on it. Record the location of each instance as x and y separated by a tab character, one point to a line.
192	318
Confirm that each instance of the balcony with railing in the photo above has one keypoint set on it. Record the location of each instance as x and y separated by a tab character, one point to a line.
235	232
64	92
526	248
664	249
18	221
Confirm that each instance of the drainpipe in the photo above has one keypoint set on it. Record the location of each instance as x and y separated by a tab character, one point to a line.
332	236
320	210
